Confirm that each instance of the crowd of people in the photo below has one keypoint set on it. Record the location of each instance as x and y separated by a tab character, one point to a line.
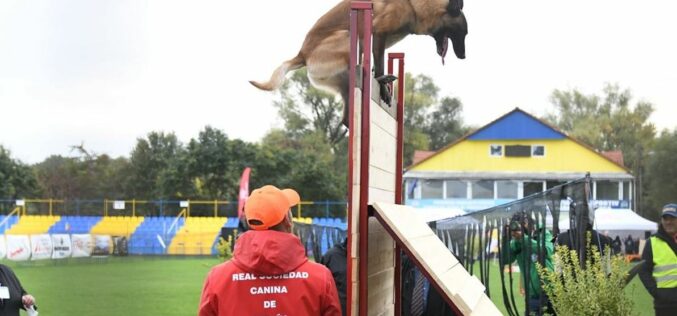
270	274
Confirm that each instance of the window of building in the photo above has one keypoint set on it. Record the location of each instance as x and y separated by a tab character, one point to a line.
532	187
551	184
432	189
518	151
456	189
506	189
495	150
537	151
411	188
627	195
607	190
483	189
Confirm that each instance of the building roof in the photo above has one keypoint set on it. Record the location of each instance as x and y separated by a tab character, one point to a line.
422	154
518	125
615	155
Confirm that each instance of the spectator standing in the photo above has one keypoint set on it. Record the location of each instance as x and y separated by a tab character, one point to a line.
12	294
524	248
269	273
659	272
336	260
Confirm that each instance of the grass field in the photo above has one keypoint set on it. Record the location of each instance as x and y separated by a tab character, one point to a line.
643	303
130	286
143	286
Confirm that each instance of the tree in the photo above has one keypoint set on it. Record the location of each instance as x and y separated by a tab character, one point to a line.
662	173
420	94
17	180
310	154
155	168
307	164
215	163
445	124
306	109
607	123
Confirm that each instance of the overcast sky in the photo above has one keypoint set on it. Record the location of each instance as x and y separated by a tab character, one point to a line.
108	72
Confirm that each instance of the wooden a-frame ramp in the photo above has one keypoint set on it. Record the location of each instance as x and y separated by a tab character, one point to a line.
379	229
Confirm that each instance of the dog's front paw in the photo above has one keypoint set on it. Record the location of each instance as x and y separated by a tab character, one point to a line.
386	79
384	90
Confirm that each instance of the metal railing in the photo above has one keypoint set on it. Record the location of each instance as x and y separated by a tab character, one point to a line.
137	207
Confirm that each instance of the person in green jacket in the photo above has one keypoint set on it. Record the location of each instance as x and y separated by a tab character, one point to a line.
526	247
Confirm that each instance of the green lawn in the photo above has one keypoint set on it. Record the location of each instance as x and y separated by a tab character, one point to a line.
127	286
643	303
166	286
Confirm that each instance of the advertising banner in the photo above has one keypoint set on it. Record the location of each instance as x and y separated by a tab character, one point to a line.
102	245
41	247
18	247
61	246
81	245
3	247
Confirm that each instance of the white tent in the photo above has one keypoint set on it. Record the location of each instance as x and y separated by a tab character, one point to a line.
616	220
431	214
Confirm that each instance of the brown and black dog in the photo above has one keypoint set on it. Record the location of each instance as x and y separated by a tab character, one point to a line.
326	49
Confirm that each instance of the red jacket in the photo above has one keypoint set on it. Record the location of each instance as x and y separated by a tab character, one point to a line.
269	275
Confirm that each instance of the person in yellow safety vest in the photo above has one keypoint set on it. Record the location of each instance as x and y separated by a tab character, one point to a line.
659	273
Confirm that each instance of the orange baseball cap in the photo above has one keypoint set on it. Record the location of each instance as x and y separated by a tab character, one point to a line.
267	206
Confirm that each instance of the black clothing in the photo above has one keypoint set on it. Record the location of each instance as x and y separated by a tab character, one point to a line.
437	306
665	299
435	303
335	259
616	245
630	246
242	226
597	240
11	306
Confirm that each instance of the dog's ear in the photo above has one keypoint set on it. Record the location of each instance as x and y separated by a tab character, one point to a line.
454	7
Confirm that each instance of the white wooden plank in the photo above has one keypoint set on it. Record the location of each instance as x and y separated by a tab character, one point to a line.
464	290
381	179
379	117
379	195
383	149
470	295
485	307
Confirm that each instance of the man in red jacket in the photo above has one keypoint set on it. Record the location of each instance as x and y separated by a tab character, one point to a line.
269	273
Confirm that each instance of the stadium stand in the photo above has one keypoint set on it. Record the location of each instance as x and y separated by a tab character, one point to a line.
154	234
6	223
33	224
117	225
198	236
74	225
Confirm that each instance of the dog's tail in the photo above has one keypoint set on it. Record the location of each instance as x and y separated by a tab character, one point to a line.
279	74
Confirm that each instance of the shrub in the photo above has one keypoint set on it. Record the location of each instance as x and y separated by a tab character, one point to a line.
224	249
595	290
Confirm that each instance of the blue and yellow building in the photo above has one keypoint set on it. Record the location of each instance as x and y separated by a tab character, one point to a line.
510	158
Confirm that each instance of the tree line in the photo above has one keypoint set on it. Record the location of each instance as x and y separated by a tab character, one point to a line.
310	151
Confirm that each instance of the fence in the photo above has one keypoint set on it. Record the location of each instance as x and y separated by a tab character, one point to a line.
477	238
134	207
